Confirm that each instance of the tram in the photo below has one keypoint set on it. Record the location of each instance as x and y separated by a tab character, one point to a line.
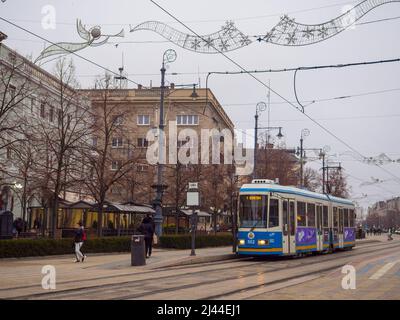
283	221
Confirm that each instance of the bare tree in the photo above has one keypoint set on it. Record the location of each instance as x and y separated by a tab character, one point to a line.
63	129
111	156
337	184
312	180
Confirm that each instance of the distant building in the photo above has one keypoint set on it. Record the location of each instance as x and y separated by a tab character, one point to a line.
384	214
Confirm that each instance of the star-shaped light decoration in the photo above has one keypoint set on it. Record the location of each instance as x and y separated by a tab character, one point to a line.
209	43
291	38
228	28
323	32
196	43
224	45
245	40
308	33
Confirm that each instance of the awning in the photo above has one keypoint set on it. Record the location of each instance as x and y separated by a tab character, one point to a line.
199	213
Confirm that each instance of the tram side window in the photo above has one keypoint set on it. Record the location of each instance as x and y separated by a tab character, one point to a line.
346	218
326	217
273	213
335	217
340	219
301	214
310	214
351	218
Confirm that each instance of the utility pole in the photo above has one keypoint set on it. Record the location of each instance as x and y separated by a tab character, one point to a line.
260	107
168	57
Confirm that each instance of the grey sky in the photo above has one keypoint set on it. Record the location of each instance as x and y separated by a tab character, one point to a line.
368	134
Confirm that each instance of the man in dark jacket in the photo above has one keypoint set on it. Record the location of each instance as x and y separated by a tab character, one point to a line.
146	228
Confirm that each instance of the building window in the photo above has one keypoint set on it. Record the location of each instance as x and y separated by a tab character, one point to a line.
187	120
142	143
115	165
33	103
42	110
143	120
142	168
51	114
118	120
117	142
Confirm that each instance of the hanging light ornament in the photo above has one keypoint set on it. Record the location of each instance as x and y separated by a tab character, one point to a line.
286	33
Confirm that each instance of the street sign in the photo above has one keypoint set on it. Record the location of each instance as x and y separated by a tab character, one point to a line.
192	199
193	185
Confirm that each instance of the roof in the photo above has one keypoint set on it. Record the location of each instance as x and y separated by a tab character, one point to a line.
189	212
261	187
129	208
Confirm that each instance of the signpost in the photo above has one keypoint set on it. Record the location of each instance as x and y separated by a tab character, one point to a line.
192	200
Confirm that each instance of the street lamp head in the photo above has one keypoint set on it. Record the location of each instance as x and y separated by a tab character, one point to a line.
280	135
194	94
169	56
261	107
305	133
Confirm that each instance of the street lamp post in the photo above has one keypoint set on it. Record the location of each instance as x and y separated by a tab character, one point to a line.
168	57
260	107
304	133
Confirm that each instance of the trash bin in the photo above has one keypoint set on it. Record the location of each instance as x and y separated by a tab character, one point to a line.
6	225
138	254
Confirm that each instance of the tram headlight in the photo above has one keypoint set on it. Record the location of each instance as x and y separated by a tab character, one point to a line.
262	242
241	242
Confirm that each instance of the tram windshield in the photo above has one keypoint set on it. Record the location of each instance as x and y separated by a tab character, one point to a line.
253	211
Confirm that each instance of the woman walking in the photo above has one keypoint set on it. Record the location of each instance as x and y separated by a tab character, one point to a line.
80	237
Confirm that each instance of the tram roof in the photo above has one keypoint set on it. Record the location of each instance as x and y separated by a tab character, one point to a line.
261	187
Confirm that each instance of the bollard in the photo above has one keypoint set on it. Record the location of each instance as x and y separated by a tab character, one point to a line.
138	254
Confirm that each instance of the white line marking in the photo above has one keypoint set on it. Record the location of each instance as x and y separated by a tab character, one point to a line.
383	270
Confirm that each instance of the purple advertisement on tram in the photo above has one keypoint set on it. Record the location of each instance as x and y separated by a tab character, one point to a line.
306	236
349	234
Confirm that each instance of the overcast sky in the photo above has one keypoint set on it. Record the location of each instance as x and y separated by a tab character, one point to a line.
369	123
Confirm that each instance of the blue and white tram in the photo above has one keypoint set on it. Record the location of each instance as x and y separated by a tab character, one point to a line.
281	220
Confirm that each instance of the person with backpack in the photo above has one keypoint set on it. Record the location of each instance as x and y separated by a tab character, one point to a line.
146	228
80	238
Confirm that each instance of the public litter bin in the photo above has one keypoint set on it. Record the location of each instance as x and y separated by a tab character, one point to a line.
6	225
138	254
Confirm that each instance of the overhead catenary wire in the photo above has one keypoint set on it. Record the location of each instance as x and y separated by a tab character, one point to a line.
275	92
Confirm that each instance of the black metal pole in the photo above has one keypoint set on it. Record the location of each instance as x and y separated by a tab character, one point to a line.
159	187
323	173
255	145
301	162
194	227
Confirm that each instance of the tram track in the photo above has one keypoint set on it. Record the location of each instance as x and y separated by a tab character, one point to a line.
255	260
297	263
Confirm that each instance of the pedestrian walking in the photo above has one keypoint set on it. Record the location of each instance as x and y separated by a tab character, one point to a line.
146	228
80	238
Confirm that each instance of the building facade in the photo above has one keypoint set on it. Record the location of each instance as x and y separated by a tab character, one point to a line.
187	112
